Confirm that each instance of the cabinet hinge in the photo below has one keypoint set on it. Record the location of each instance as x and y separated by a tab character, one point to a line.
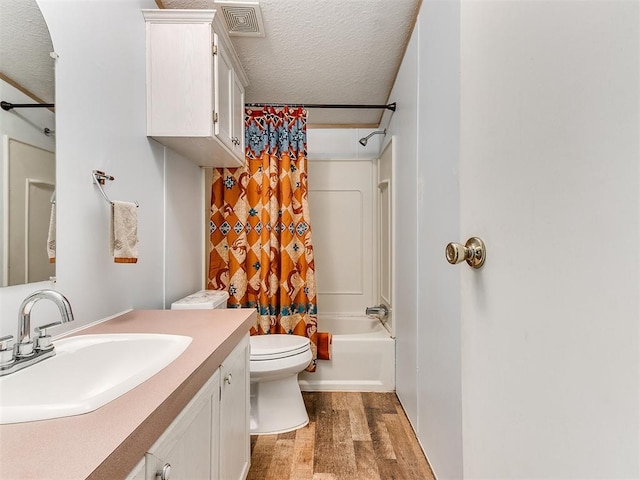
215	117
214	49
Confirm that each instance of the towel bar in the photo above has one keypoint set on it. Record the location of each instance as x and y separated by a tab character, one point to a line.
99	178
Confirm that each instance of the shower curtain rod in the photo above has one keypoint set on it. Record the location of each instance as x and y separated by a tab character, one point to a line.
8	106
390	106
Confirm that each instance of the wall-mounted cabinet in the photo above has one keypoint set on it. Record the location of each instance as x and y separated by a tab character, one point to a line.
195	87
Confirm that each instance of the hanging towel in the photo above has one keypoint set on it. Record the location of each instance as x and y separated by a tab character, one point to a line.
324	340
124	232
51	238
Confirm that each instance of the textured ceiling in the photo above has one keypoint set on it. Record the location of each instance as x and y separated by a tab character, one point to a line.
313	51
324	51
25	46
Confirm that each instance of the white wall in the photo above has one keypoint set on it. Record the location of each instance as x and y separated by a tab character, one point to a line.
439	350
534	146
101	117
427	307
185	227
403	129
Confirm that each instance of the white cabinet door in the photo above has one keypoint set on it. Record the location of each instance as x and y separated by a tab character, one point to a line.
238	116
224	100
186	446
179	79
229	102
215	428
234	414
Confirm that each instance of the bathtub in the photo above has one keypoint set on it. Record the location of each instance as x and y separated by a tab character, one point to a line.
362	359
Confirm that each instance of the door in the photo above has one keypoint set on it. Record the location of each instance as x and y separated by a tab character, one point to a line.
549	180
185	448
225	106
237	109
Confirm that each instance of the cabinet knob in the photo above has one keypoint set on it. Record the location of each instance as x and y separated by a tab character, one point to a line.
165	472
227	378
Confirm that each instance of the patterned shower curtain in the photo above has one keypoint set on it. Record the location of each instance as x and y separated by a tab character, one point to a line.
260	231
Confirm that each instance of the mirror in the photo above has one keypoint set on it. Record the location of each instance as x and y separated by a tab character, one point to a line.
27	155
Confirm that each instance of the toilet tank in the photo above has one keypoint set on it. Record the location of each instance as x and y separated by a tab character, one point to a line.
202	300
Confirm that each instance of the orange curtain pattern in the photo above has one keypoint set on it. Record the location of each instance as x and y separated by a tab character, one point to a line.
260	228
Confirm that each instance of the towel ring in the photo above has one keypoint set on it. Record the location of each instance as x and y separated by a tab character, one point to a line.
99	178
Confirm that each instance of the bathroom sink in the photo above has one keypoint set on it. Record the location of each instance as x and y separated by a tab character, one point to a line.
86	372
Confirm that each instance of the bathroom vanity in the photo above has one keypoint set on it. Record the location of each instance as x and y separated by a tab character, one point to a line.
193	415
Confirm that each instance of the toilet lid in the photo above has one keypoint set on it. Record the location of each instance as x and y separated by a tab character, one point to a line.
204	299
269	347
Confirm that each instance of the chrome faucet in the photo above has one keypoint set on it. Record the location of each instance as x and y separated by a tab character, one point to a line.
381	311
27	351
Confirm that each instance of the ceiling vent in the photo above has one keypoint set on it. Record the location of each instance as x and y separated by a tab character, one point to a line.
242	18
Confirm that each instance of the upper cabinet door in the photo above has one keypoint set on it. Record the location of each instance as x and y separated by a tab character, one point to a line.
225	98
238	119
215	88
192	78
179	75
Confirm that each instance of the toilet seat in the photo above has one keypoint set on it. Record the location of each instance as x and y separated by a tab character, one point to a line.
273	347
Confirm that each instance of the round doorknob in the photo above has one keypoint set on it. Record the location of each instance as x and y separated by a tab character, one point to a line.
455	253
473	252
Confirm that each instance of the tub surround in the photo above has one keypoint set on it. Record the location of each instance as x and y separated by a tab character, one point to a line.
109	442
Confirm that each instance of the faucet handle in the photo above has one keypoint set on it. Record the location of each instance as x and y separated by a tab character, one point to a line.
43	340
42	330
6	350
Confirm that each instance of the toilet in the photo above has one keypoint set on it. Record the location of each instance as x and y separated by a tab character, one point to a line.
275	362
276	401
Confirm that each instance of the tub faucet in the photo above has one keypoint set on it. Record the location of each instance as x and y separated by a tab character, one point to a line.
27	352
381	311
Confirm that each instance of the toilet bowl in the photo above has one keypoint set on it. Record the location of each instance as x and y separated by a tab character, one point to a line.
275	362
276	401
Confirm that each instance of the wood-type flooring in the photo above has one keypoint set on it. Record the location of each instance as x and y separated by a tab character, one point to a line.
350	436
